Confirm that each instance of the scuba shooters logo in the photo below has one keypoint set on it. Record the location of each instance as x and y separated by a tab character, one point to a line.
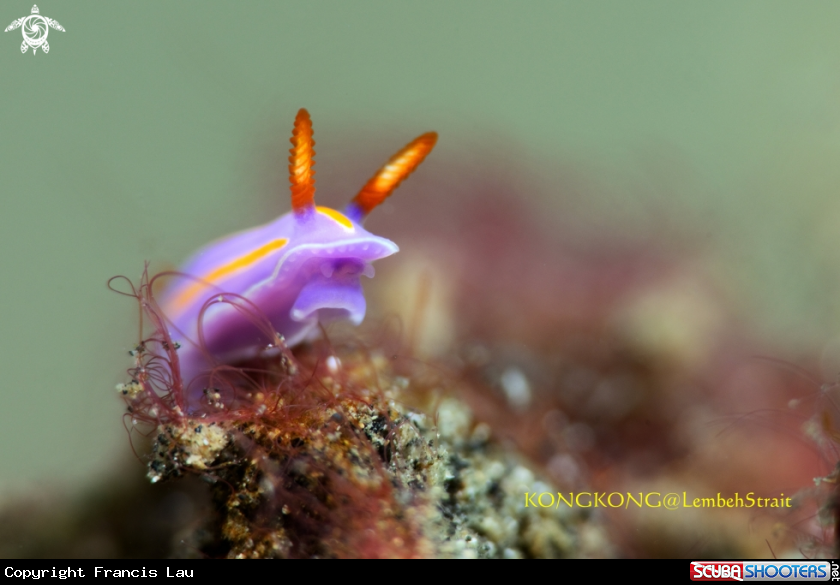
35	29
796	571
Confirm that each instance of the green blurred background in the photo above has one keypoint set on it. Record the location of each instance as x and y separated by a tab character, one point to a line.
152	127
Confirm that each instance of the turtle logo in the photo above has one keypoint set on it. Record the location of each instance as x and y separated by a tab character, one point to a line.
35	29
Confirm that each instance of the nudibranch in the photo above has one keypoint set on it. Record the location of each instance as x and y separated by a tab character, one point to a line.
299	270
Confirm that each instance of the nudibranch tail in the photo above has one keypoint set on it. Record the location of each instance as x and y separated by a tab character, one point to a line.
388	178
301	161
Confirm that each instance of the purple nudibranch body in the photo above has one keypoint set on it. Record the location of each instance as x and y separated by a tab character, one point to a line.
313	276
301	269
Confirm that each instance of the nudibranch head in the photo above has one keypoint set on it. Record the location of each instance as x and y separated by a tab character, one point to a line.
301	269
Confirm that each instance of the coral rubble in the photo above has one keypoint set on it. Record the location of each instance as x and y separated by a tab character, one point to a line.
345	456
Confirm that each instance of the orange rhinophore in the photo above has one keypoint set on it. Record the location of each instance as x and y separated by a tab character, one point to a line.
394	172
301	161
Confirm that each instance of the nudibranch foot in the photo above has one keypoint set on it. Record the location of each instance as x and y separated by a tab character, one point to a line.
328	299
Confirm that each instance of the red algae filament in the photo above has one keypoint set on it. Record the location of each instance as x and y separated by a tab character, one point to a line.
327	450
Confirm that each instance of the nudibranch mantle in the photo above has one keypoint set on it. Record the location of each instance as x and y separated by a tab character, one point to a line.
299	270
